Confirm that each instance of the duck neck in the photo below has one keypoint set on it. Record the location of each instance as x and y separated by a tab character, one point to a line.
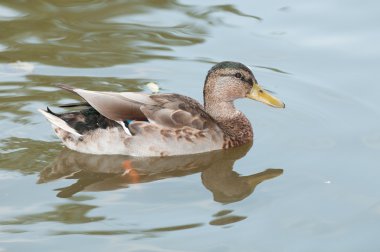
234	123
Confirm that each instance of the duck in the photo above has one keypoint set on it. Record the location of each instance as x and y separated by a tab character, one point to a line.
162	124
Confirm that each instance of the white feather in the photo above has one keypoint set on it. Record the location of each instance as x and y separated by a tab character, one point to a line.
58	122
124	128
153	87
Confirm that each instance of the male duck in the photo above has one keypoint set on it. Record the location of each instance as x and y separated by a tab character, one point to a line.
138	124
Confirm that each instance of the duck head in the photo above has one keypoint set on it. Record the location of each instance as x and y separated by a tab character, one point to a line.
228	81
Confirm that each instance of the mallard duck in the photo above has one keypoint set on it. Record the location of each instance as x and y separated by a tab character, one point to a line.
138	124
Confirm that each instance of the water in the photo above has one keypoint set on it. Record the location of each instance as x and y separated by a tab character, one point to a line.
307	184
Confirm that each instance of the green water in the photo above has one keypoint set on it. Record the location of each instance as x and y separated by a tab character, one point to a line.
309	182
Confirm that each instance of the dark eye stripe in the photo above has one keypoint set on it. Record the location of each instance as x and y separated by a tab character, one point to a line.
241	77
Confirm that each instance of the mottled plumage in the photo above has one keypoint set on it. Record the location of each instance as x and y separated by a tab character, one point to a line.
140	124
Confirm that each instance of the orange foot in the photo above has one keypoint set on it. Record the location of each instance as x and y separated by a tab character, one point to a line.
130	172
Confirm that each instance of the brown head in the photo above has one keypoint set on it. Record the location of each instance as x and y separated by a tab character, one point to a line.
228	81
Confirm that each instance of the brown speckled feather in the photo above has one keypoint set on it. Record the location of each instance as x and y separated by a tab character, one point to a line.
176	111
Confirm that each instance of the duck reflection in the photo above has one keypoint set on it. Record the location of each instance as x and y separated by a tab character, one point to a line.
101	173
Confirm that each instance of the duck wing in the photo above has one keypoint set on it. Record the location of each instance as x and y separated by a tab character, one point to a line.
167	110
177	111
115	106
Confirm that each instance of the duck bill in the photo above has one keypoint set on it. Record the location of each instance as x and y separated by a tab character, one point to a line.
259	94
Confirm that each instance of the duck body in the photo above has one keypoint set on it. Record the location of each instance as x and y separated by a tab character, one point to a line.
139	124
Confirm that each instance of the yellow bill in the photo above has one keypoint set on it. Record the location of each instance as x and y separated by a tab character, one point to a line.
259	94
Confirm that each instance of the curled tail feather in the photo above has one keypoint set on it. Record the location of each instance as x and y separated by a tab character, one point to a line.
58	122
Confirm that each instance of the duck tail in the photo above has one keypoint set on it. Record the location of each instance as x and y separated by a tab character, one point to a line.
51	112
57	122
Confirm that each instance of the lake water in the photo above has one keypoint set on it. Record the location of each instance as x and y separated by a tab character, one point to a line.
309	182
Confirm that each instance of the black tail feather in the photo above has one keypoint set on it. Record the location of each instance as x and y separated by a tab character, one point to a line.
51	112
76	104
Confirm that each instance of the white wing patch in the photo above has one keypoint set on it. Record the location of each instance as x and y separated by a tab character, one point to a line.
124	128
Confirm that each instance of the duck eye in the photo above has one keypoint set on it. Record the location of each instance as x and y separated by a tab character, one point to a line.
238	75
